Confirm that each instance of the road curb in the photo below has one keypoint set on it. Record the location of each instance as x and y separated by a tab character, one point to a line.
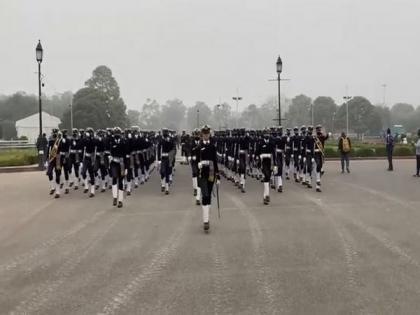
372	158
19	169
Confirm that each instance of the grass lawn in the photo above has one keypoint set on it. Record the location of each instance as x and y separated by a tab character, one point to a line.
16	157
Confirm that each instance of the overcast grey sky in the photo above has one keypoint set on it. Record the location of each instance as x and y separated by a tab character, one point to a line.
206	49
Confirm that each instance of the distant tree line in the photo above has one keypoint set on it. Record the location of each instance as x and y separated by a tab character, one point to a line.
99	105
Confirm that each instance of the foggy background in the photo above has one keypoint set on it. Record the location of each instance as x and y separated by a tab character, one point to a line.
208	50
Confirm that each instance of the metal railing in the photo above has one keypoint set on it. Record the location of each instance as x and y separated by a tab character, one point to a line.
16	144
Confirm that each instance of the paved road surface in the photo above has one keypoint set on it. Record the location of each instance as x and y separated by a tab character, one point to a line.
353	249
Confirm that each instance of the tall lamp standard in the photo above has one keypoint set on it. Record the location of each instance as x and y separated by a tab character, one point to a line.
279	68
332	127
347	99
39	52
198	118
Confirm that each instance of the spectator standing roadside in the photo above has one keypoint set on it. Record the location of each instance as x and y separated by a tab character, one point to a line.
389	142
417	145
344	146
42	147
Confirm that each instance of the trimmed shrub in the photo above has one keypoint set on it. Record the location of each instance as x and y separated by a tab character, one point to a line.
365	152
331	152
403	151
380	151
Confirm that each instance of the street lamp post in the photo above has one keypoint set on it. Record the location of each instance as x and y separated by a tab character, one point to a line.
237	98
279	68
332	127
347	99
71	115
39	52
312	114
198	118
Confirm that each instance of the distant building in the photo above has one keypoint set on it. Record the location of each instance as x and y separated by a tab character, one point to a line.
29	126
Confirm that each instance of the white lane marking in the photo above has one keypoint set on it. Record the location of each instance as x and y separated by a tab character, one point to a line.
25	258
350	254
222	297
44	292
160	261
263	276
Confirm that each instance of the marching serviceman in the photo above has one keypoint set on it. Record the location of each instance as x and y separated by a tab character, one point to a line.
75	158
208	173
54	163
118	153
310	155
89	158
166	147
287	152
64	149
243	145
279	142
295	140
320	139
302	156
195	152
265	153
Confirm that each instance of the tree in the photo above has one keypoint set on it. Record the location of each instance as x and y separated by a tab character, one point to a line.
268	113
401	114
173	114
133	117
150	116
250	117
222	116
324	108
204	116
384	115
299	111
98	104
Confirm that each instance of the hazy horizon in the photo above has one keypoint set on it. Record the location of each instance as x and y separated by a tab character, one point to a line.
205	51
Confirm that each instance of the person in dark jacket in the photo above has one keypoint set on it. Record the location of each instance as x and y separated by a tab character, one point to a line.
389	145
42	147
417	146
344	147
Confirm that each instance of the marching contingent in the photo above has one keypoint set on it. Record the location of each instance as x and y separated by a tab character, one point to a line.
121	160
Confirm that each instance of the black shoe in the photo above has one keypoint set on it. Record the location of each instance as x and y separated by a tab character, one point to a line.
304	183
280	189
162	189
318	189
106	184
309	186
243	189
266	200
57	196
103	190
61	186
348	170
96	187
114	202
66	191
287	177
85	190
76	187
52	191
206	226
71	184
120	204
197	202
136	185
110	187
91	195
195	192
128	193
166	192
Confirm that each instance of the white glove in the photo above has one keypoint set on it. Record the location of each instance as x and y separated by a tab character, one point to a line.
292	156
200	165
126	172
313	160
304	159
237	161
218	182
109	158
275	169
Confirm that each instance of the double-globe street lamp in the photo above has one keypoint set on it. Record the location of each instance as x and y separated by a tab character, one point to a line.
39	52
279	68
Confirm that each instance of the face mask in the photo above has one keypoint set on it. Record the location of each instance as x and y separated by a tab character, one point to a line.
87	134
129	136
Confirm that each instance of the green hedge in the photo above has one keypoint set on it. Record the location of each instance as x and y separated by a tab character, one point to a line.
370	151
18	157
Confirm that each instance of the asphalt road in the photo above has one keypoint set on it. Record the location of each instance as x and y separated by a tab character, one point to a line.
352	249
